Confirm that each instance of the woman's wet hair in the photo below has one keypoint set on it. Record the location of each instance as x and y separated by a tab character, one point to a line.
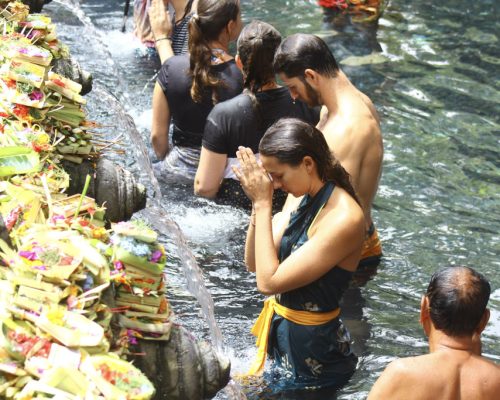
303	51
211	19
289	140
256	46
457	300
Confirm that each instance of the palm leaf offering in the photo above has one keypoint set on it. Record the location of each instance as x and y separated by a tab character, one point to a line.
29	52
65	86
118	379
16	160
26	72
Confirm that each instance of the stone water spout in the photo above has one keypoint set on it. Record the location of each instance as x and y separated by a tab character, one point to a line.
111	185
69	68
182	368
36	5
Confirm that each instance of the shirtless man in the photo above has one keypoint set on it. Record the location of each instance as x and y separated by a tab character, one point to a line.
348	121
453	314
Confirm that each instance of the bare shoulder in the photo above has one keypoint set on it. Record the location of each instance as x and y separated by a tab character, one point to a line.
366	123
341	224
397	380
343	210
487	368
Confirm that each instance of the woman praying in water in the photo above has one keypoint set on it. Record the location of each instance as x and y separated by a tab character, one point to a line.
304	258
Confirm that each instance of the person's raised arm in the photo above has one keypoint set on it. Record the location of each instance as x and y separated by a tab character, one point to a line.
161	26
250	244
258	187
337	237
209	173
161	122
279	224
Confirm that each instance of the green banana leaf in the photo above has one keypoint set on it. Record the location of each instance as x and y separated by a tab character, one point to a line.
18	160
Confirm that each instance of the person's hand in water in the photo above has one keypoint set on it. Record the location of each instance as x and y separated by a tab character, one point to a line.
254	179
160	19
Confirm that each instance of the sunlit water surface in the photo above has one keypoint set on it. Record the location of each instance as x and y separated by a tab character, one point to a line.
434	80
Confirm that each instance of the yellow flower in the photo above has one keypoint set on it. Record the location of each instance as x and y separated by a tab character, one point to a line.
56	316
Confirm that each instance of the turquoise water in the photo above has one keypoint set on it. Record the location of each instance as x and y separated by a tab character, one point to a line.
435	83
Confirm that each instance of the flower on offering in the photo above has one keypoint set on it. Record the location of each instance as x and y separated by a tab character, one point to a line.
117	379
29	52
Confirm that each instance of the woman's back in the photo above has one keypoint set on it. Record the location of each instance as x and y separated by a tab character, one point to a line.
238	122
188	116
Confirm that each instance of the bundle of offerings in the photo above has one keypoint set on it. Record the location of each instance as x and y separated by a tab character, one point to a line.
31	93
139	261
54	328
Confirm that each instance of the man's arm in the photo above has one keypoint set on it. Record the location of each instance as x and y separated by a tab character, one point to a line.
209	173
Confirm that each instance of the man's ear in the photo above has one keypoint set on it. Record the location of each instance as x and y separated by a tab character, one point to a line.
484	321
312	77
238	62
425	318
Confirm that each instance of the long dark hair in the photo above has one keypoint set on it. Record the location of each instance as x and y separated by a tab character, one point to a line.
211	18
301	51
289	140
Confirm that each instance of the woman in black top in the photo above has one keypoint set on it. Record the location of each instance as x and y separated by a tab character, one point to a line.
243	120
189	86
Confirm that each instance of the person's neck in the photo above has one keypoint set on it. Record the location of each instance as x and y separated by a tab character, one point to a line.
315	187
219	44
331	90
439	341
269	86
179	7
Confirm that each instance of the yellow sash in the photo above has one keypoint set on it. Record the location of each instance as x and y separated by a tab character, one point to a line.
371	246
263	325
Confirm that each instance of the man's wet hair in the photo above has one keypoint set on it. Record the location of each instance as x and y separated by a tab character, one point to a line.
457	300
303	51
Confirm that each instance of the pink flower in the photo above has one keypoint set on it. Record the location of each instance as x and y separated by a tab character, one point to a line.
30	255
118	265
156	256
36	95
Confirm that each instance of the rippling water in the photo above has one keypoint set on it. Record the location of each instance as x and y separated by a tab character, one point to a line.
434	79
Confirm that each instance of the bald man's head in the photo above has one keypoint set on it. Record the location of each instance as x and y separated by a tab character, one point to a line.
457	300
